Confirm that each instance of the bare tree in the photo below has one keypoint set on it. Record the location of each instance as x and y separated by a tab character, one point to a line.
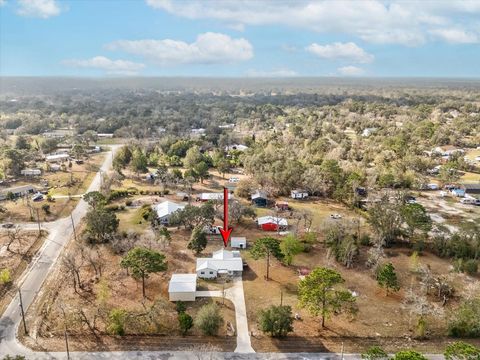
73	263
15	235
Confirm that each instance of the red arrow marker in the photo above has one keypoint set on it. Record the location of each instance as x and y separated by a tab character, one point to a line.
226	231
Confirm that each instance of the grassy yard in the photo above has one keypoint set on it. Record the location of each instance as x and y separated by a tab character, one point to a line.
470	177
472	154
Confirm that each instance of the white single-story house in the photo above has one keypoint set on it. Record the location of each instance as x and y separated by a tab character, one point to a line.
182	287
17	191
31	172
57	158
299	194
222	262
165	209
213	196
238	242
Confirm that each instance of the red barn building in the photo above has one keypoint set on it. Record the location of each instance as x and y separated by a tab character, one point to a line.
271	223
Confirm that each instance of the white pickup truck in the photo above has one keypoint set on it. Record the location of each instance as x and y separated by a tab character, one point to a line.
212	229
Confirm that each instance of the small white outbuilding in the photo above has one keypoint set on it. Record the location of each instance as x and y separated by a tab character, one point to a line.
182	287
238	242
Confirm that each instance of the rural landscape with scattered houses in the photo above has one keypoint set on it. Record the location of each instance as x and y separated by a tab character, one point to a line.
355	216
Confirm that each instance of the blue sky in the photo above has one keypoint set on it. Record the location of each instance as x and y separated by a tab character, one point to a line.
240	38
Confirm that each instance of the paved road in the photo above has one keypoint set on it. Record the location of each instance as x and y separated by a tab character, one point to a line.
60	232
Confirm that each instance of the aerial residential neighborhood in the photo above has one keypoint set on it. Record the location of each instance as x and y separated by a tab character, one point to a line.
238	180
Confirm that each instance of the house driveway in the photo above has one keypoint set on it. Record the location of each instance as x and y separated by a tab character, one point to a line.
236	296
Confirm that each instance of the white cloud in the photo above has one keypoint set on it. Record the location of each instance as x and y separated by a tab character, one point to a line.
208	48
3	2
119	67
38	8
456	36
343	51
272	73
350	71
401	22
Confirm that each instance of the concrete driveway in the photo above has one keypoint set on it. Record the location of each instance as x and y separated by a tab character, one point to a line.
236	296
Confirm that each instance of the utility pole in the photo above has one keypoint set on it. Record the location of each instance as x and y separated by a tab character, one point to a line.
223	292
65	332
66	343
21	309
73	226
38	221
281	297
342	351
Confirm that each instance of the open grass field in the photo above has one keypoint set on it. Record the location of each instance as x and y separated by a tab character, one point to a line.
21	211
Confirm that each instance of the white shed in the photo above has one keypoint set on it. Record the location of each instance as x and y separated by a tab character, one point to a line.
238	242
182	287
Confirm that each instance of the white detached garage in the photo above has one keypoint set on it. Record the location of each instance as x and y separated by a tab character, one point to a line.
182	287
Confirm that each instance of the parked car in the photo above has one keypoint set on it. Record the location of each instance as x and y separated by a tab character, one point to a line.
233	180
335	216
8	225
37	197
212	230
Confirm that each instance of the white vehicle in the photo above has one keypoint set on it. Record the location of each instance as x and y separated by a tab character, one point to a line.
432	186
233	180
37	197
335	216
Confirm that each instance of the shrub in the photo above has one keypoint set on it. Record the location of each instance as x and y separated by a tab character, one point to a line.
185	322
465	321
128	203
180	306
276	320
5	277
374	353
409	355
147	212
365	240
116	322
46	208
208	319
466	266
470	267
461	351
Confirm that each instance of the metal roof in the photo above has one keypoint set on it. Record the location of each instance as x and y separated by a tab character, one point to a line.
166	208
273	220
183	283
